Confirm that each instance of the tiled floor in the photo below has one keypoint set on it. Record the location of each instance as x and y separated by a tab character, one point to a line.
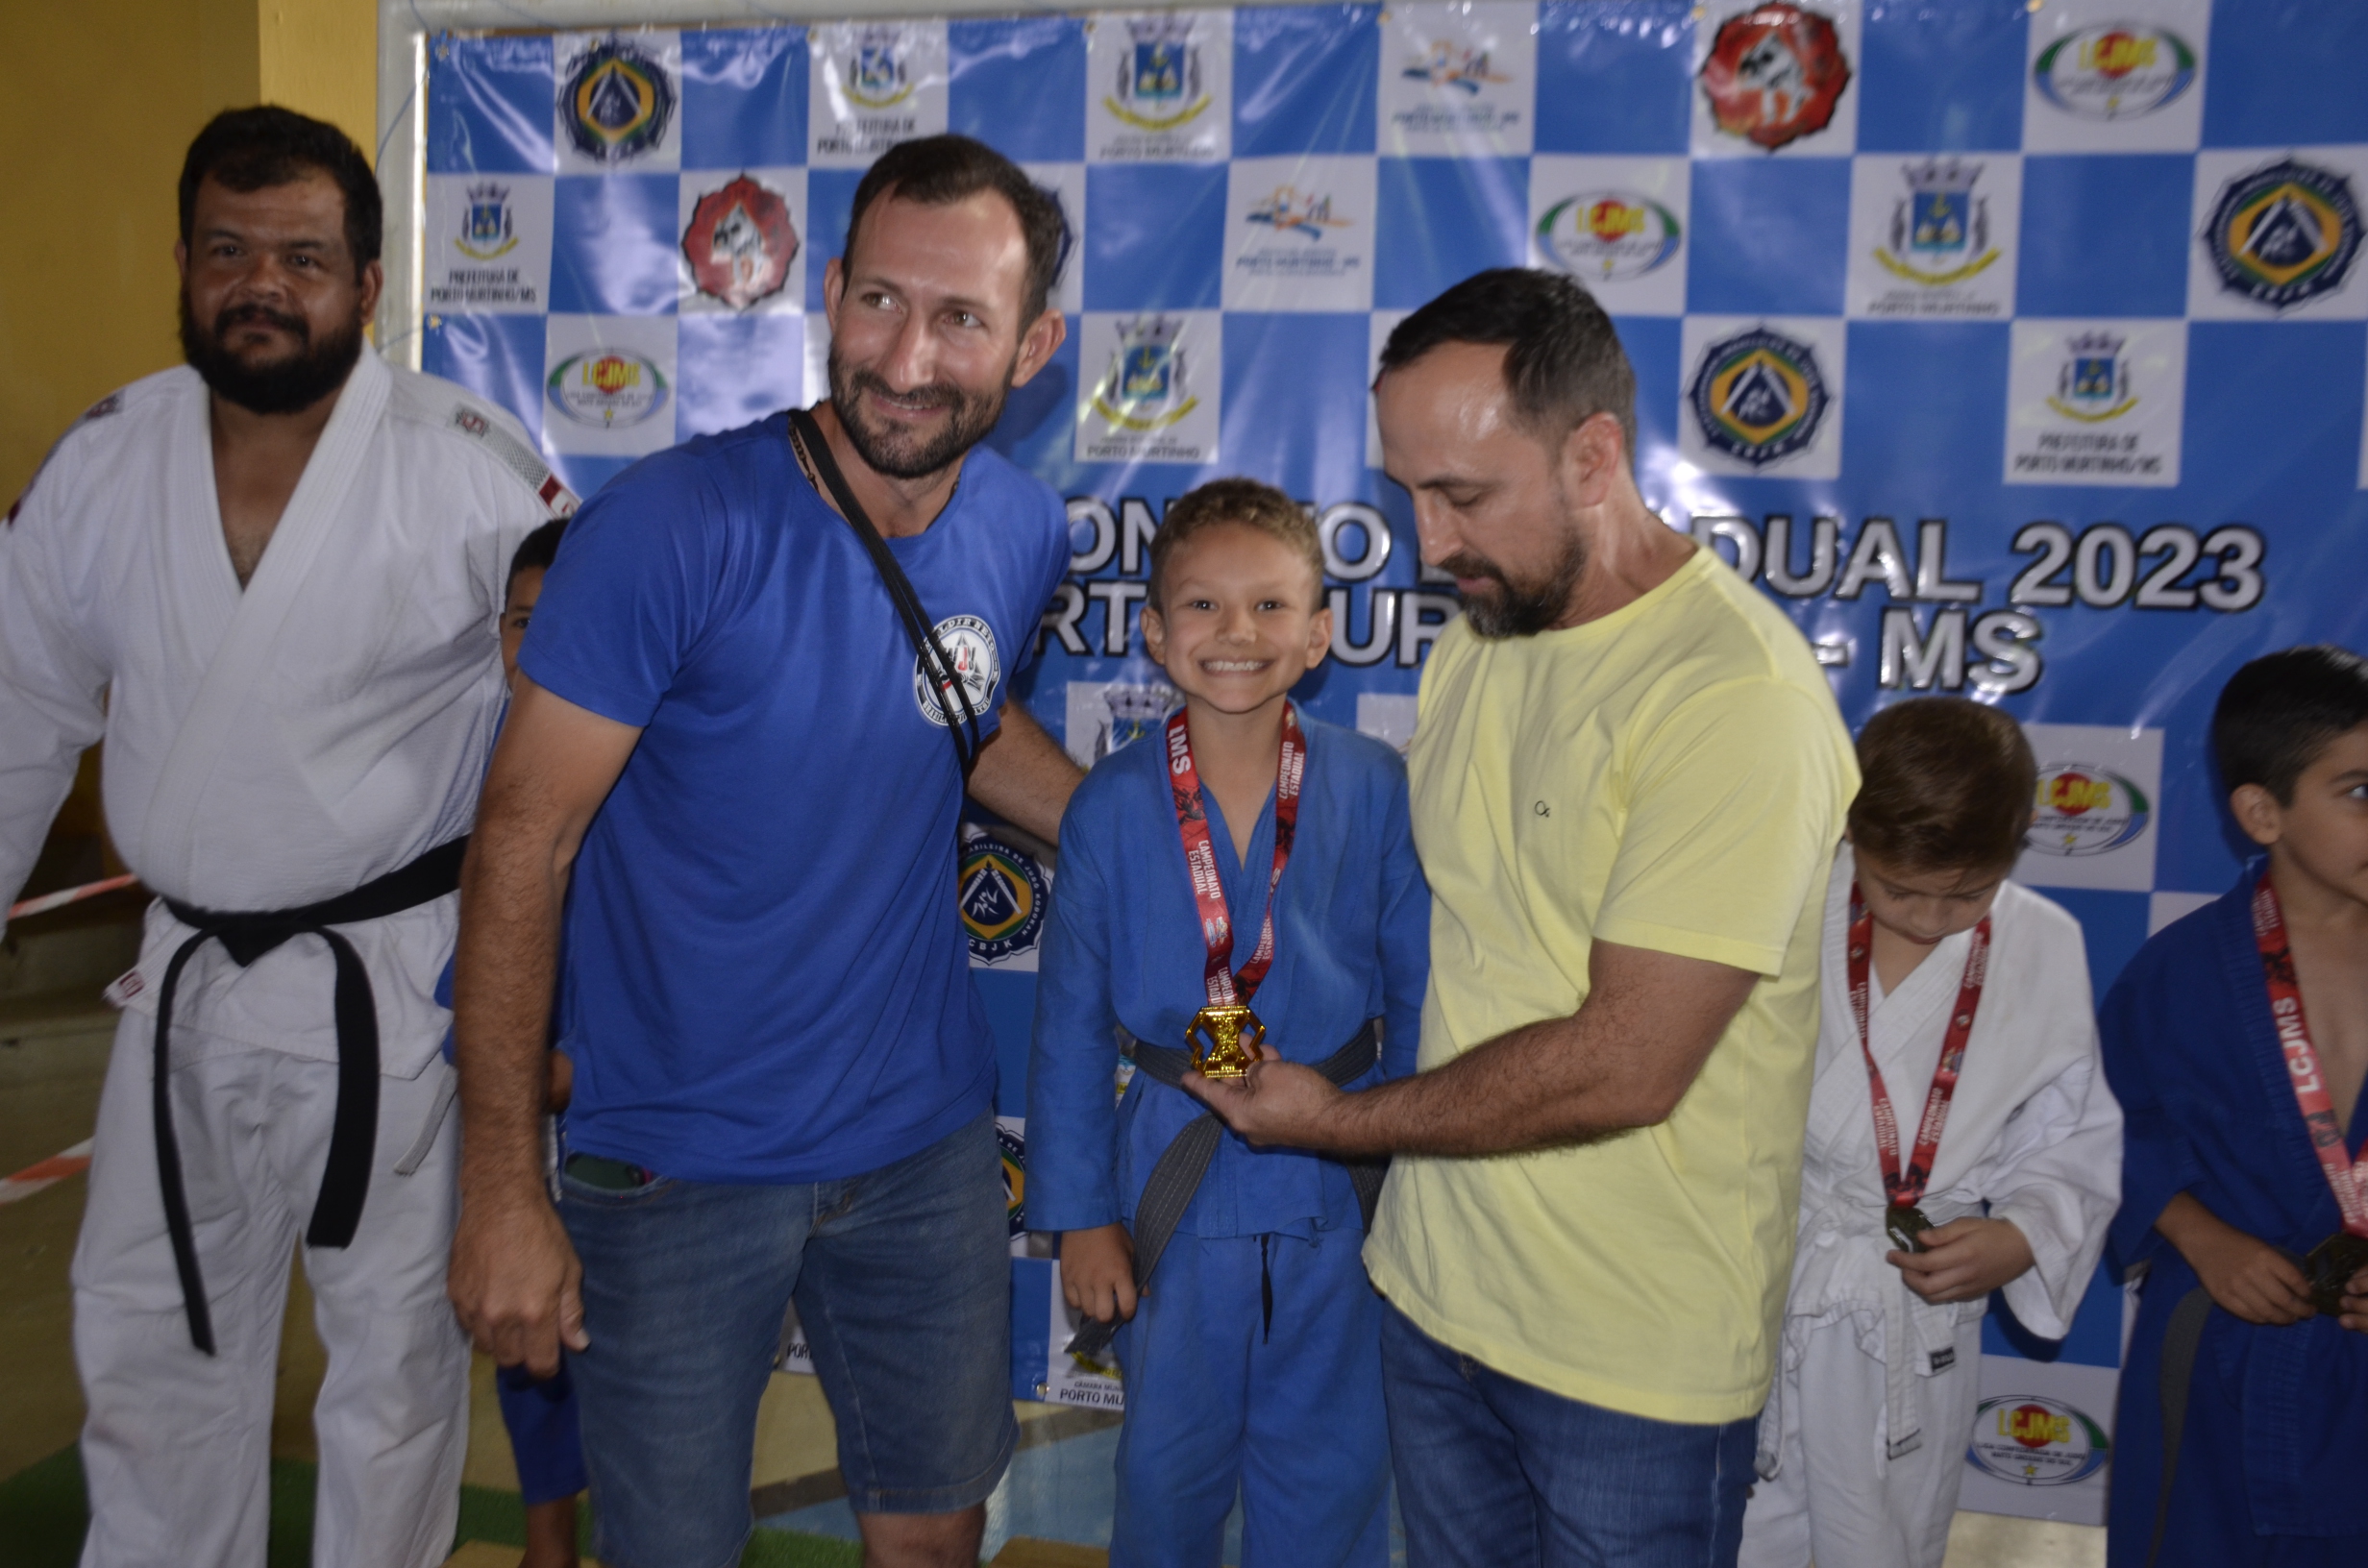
1059	1491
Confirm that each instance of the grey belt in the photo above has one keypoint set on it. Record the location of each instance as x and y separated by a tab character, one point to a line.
1182	1165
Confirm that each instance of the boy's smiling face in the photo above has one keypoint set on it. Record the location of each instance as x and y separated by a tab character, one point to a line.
1244	617
2323	832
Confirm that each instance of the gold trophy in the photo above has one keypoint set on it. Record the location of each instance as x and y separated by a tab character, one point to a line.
1233	1036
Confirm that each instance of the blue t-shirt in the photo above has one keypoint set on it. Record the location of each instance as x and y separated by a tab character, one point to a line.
766	978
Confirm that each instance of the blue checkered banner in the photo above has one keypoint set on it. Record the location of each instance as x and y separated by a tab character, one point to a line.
2016	348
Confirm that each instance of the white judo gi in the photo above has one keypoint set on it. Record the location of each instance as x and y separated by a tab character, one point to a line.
268	749
1862	1442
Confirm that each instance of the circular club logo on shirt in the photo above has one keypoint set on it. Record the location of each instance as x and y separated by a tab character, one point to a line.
970	643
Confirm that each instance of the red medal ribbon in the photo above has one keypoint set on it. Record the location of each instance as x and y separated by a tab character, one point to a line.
2302	1063
1192	820
1906	1189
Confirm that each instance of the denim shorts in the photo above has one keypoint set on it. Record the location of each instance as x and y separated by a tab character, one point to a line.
903	1284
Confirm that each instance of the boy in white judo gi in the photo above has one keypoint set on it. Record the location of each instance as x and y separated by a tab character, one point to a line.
1242	858
269	580
1962	1140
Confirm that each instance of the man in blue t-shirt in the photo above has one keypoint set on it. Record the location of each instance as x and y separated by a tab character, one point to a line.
730	768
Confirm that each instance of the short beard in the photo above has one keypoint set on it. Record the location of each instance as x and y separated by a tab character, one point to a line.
284	386
1518	609
900	457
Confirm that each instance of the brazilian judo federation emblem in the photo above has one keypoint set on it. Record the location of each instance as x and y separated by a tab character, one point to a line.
2093	385
1759	396
1774	74
1159	84
740	244
487	227
1941	230
1003	898
2286	234
1012	1145
617	102
970	643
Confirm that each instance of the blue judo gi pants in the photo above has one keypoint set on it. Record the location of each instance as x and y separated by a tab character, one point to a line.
1292	1416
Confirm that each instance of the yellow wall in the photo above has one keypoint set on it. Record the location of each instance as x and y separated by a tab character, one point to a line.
99	114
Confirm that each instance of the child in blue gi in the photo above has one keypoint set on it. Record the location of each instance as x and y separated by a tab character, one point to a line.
1242	855
540	1415
2237	1041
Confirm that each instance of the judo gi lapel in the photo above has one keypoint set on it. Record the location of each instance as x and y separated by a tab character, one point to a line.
244	655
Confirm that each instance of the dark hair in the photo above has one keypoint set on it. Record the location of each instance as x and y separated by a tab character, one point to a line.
1244	501
938	171
2277	714
1564	362
254	149
1948	785
535	552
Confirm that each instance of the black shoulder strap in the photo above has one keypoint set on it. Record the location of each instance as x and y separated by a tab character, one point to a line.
918	627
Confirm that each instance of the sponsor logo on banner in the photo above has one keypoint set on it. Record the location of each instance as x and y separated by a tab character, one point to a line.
740	242
1609	235
1148	385
2117	71
1160	85
607	389
1449	64
2035	1441
1455	79
2094	383
487	227
1102	716
1003	894
2284	234
617	102
1940	229
1775	74
2084	809
970	643
875	74
1291	211
1757	396
1011	1143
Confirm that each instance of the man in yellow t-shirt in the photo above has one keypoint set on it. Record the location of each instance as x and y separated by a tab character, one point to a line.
1628	780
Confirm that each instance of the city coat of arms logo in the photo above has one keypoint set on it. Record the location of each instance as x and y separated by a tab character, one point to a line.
1759	396
877	75
2094	383
1147	386
1774	74
1159	81
740	244
1609	237
2117	71
617	102
2284	234
1940	229
487	227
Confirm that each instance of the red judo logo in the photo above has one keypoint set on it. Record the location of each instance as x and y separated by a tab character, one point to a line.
1774	74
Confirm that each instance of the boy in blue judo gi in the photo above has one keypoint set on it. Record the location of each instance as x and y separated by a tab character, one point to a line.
539	1414
2237	1041
1243	857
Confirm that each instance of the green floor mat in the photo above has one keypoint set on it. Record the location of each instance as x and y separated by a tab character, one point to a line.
43	1510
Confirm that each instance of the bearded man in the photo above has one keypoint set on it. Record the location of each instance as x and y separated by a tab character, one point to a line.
727	763
270	581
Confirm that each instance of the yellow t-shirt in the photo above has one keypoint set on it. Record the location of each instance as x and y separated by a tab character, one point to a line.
1671	777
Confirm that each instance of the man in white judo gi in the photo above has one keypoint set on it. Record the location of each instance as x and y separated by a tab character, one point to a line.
269	580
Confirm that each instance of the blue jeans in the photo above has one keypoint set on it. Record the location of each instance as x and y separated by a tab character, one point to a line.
902	1283
1496	1473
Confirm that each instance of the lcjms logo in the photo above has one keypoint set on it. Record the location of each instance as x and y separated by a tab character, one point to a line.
2118	71
607	389
2082	809
1606	237
2035	1441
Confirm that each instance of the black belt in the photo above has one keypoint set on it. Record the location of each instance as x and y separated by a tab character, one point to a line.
1176	1175
352	1135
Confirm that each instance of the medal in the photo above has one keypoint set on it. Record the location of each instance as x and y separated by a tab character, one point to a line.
2334	1262
1226	1036
1902	1220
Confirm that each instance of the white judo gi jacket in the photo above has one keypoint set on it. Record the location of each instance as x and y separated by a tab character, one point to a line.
270	746
2033	1132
